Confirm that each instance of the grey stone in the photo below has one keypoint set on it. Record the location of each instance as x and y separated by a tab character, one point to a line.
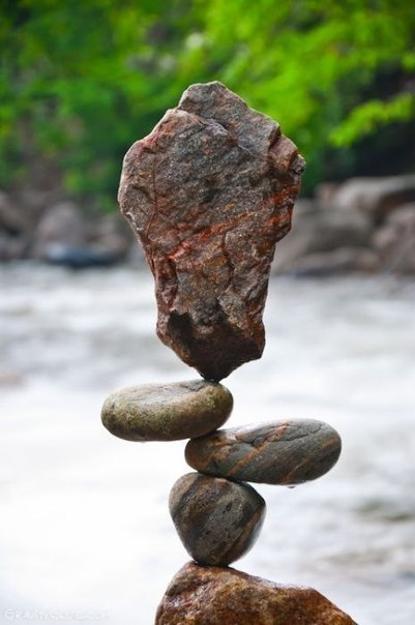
61	225
217	520
377	197
322	229
395	241
340	261
167	412
111	235
11	216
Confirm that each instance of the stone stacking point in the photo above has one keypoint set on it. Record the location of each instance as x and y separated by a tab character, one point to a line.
209	193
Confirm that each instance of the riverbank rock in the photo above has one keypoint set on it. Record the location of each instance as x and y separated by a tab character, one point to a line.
395	241
217	520
12	247
201	595
110	235
344	260
376	197
283	452
11	219
209	193
167	412
326	239
61	225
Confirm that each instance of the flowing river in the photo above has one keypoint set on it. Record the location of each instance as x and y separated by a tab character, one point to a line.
85	530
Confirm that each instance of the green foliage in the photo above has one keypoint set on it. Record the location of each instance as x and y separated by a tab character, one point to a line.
79	81
366	118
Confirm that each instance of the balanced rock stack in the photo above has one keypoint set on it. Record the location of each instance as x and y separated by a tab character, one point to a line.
209	193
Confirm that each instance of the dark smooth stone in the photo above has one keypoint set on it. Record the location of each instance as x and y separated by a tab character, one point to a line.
217	520
201	595
282	452
167	412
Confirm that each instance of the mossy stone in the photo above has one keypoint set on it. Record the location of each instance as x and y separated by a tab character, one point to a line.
167	412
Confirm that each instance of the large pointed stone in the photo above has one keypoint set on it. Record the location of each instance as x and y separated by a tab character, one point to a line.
209	192
201	595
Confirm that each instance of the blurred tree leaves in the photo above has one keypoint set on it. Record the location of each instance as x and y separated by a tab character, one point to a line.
79	81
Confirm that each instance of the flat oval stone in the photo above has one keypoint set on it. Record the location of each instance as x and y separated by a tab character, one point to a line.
167	412
217	520
283	452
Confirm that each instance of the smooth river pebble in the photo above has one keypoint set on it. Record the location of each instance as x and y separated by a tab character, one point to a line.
282	452
167	412
217	520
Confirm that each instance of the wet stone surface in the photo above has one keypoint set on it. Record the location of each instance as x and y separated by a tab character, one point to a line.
281	452
209	192
217	520
223	596
166	412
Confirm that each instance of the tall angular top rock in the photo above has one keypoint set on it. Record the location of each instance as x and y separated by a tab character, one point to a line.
209	192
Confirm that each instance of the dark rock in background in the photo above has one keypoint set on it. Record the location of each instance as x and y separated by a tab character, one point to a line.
342	260
375	197
61	225
64	236
34	225
395	241
223	596
321	229
209	193
351	227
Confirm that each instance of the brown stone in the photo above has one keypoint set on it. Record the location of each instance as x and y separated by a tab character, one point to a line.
209	193
223	596
280	452
218	521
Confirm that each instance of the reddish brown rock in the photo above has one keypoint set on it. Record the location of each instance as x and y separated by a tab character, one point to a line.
209	193
223	596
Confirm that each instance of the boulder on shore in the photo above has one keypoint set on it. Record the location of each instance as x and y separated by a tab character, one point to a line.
375	197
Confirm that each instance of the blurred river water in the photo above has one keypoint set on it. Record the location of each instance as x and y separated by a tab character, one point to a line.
85	530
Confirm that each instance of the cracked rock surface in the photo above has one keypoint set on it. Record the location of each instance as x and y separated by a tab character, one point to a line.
282	452
201	595
209	192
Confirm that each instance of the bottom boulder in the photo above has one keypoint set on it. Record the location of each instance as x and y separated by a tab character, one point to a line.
200	595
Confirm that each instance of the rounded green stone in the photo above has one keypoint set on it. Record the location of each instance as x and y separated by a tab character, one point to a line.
167	412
